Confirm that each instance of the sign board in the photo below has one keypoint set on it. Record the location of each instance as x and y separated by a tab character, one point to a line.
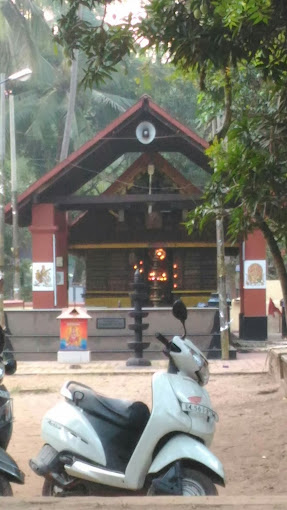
43	276
60	277
73	329
111	323
254	274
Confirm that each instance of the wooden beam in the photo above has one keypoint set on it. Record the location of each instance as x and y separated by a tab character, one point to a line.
163	244
172	201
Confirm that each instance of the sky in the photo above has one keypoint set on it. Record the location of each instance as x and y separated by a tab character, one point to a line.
118	10
115	12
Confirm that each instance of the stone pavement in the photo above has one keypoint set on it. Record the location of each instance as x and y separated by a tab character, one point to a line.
246	363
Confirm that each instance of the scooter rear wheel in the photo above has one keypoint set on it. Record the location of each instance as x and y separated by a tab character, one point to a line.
5	487
194	483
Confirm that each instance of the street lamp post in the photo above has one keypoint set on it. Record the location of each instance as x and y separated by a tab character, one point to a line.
20	75
2	201
15	232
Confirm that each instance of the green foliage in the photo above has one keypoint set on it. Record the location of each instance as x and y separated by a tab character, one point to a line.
234	12
250	171
104	45
249	183
25	264
23	37
267	41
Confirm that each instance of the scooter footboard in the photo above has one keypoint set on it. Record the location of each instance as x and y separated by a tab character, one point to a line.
184	447
10	469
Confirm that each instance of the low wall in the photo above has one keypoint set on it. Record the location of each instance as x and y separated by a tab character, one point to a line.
266	502
36	332
277	368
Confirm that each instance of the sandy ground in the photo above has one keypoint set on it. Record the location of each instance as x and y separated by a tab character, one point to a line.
250	436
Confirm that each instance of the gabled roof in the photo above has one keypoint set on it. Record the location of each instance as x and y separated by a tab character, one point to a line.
116	139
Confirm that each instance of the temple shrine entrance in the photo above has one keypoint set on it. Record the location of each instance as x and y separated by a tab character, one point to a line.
136	220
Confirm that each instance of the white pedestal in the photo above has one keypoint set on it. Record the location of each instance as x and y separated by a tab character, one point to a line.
73	357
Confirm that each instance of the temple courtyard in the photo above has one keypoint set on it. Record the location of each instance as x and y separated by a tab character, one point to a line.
250	438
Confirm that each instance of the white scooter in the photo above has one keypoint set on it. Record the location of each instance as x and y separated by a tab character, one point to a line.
95	445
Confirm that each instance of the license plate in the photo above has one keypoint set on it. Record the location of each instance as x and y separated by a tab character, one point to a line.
196	408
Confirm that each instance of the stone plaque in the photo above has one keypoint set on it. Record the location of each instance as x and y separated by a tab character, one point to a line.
111	323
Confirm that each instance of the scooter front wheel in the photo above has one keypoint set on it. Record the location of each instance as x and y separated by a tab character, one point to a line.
194	483
5	487
51	489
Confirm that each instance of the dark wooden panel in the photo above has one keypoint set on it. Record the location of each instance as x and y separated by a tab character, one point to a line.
199	269
97	268
83	203
108	270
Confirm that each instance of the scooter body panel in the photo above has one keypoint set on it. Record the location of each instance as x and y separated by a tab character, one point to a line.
169	391
66	428
9	468
183	447
188	391
166	416
96	474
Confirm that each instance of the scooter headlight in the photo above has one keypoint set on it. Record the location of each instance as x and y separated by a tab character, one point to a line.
203	374
203	370
198	359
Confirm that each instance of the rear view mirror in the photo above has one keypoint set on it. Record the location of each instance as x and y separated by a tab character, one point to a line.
10	366
2	339
179	311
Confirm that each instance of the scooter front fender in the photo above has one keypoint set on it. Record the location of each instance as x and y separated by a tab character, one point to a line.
9	468
182	446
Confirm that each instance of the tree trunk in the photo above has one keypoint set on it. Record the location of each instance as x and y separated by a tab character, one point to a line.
227	105
71	102
278	260
221	286
221	274
71	108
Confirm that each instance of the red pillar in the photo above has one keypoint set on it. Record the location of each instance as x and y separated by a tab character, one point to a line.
253	319
50	257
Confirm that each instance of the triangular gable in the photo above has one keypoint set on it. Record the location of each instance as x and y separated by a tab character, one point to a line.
108	145
140	165
162	165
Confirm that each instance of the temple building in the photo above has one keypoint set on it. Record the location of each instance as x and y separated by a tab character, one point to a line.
137	222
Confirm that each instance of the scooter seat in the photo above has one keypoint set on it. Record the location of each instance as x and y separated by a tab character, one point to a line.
118	423
122	413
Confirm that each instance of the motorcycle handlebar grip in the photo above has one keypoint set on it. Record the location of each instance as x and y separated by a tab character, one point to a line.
162	339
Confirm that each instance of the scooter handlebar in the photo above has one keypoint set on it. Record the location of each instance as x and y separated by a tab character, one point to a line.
162	339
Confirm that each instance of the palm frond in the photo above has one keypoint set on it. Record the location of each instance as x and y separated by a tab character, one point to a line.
23	49
46	116
118	103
